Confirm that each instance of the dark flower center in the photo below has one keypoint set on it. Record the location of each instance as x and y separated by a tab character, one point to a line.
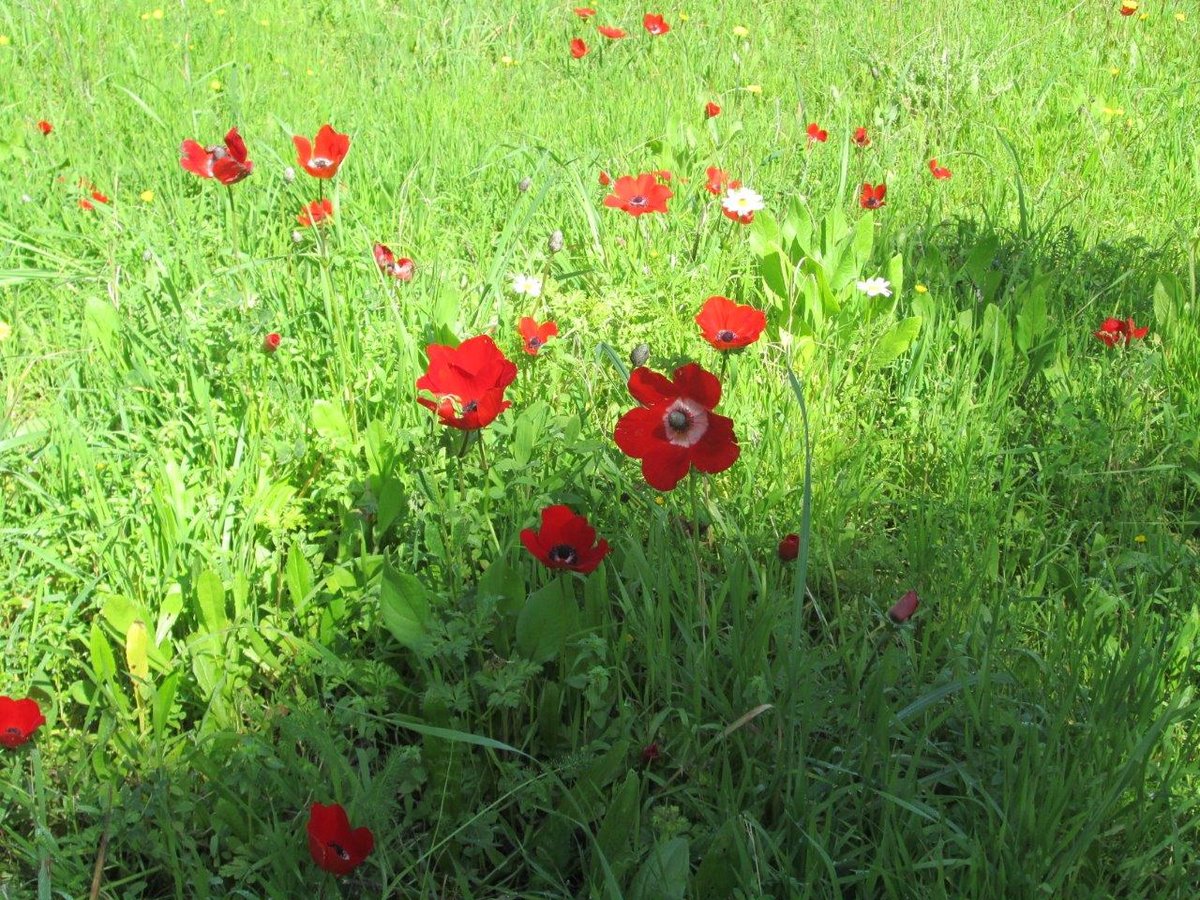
470	406
319	162
12	729
564	554
340	851
872	203
639	200
678	420
535	342
725	336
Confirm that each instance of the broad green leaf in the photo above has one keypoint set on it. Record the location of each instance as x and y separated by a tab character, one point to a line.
104	663
101	323
330	422
895	276
620	825
404	602
548	619
298	575
210	597
164	703
895	341
136	650
664	874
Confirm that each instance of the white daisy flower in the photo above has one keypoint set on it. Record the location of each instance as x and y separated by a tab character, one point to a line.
530	285
743	201
873	287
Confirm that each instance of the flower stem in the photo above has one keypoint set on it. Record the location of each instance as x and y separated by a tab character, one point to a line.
700	601
233	229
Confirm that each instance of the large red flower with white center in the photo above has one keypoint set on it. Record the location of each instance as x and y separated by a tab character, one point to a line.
533	335
334	845
655	24
19	719
401	269
322	158
467	382
227	164
728	325
638	194
675	428
565	541
872	197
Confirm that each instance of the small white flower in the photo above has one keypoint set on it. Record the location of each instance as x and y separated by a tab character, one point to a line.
743	201
25	198
873	287
297	237
289	174
530	285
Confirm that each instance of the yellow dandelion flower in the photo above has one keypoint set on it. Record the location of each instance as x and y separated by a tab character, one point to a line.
920	288
1144	16
683	17
215	85
508	60
1114	71
1140	539
1180	17
147	196
754	88
158	14
741	30
4	40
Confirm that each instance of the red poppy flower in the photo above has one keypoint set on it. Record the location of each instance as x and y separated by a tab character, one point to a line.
315	213
584	12
467	382
654	24
789	547
533	335
85	203
651	752
609	32
817	134
578	48
861	138
872	197
639	194
401	269
333	845
728	325
19	719
227	164
45	127
718	181
605	179
903	608
565	541
323	159
1113	330
711	110
740	218
941	173
675	427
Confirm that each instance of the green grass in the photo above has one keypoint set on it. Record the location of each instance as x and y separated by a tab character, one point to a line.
1031	731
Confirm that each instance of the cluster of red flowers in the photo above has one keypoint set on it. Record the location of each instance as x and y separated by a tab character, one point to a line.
654	24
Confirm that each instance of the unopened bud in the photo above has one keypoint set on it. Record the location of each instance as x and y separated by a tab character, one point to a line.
640	355
289	174
524	184
556	241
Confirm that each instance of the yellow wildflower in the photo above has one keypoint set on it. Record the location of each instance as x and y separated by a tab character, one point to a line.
754	88
147	196
920	288
741	30
158	14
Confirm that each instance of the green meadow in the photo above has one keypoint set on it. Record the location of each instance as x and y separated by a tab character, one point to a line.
239	581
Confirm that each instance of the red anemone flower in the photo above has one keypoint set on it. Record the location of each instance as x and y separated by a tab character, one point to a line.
323	159
400	269
675	427
711	110
941	173
654	24
272	341
467	382
19	719
605	179
789	547
872	197
728	325
45	127
817	134
639	194
533	335
584	12
578	48
903	608
861	138
315	213
1113	330
651	752
610	32
718	180
565	541
334	846
227	164
740	218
